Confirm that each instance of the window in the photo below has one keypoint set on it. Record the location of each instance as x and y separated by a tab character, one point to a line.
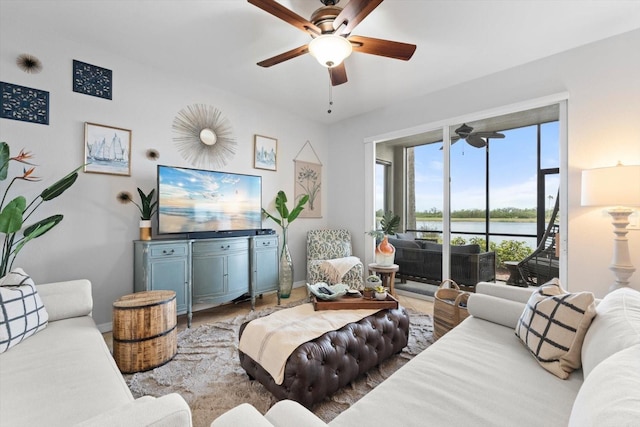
383	179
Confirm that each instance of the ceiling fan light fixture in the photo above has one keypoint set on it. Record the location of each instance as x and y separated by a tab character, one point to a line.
330	49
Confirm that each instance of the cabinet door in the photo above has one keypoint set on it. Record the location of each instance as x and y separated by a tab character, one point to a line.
237	273
208	276
266	269
171	274
163	266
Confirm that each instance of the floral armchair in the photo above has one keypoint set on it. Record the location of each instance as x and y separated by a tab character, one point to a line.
332	246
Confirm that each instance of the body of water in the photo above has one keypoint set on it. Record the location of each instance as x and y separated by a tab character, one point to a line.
478	227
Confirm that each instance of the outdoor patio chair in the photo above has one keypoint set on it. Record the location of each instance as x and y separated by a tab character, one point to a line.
543	264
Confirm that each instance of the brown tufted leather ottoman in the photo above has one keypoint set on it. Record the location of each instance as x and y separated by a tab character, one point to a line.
320	367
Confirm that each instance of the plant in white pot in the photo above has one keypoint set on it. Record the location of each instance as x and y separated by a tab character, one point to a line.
147	208
370	284
16	212
380	292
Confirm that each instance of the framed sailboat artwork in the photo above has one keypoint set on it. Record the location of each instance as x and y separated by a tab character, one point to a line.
107	149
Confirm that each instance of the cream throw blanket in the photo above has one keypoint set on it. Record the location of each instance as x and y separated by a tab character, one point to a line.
270	340
335	269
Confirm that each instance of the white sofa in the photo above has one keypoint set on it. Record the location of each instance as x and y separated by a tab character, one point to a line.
65	375
480	374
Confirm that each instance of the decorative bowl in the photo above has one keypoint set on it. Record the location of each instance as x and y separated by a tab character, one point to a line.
337	290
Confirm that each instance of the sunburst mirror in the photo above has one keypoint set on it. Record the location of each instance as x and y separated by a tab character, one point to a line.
204	136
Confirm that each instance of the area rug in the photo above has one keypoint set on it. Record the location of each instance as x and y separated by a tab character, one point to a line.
206	371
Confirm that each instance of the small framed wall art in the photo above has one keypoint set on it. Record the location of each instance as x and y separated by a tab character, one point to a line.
107	149
92	80
24	104
265	154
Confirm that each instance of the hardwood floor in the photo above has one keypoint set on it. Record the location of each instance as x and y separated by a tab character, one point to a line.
230	310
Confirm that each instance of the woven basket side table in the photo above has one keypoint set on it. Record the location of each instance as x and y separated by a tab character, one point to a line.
144	330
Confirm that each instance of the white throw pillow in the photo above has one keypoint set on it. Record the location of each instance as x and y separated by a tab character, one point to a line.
616	327
610	395
553	325
22	313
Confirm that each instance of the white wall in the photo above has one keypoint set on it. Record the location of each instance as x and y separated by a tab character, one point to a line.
604	106
95	239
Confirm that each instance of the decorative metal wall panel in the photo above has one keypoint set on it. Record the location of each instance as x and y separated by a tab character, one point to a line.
92	80
24	103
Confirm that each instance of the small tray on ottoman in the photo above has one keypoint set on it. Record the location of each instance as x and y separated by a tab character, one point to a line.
354	303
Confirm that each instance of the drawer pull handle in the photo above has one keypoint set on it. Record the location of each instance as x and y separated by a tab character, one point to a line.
266	243
166	252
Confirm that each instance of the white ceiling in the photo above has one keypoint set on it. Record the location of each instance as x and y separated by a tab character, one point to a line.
218	42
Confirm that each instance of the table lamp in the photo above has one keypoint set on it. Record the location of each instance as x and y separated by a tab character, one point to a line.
617	187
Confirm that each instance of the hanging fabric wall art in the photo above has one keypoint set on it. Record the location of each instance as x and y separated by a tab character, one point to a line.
308	178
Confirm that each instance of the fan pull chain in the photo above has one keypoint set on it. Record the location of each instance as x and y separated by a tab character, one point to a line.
330	97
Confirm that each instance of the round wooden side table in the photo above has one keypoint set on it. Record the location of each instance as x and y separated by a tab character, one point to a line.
387	275
144	330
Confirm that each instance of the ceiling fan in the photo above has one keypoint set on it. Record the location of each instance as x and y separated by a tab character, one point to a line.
475	139
330	28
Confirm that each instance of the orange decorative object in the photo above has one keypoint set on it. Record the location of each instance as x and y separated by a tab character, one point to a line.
385	252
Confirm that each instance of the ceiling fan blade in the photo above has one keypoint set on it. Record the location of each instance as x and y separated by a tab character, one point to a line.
381	47
490	134
353	13
293	53
464	130
288	16
475	141
338	75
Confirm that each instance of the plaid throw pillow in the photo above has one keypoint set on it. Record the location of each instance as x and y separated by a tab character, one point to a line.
22	313
553	325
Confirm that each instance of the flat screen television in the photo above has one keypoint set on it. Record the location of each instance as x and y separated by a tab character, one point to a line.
200	203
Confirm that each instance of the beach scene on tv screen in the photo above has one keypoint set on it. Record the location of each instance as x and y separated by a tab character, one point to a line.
193	200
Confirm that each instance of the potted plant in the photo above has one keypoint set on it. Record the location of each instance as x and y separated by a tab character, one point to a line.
385	252
147	208
16	212
373	280
370	283
380	293
286	218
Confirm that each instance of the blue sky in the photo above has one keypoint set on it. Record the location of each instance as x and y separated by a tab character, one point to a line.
512	171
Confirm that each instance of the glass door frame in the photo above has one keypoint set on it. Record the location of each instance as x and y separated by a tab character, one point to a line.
560	99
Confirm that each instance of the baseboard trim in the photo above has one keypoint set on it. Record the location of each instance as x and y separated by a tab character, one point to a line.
413	295
105	327
108	327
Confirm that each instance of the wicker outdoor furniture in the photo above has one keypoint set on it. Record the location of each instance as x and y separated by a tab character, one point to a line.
422	261
544	263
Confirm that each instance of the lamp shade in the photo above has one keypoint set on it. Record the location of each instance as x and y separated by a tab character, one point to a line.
330	50
611	186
